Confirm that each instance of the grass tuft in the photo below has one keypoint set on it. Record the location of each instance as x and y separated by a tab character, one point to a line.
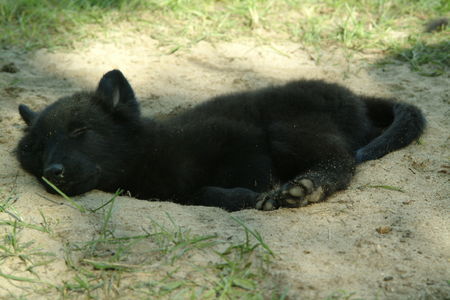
164	261
426	59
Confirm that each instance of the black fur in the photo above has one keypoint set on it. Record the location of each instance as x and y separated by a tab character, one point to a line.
279	146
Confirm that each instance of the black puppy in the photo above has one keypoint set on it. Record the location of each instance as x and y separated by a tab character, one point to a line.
283	146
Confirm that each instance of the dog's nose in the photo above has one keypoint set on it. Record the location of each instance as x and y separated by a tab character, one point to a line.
54	171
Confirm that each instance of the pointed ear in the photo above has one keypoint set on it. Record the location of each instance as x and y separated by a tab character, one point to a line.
116	95
27	114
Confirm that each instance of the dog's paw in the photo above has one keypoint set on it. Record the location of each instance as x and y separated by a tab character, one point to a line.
296	193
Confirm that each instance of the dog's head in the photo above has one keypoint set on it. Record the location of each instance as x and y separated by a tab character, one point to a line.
80	142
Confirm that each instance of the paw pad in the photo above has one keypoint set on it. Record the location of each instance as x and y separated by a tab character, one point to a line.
296	193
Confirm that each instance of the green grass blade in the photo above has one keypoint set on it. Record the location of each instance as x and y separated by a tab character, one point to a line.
19	278
103	265
386	187
255	234
80	207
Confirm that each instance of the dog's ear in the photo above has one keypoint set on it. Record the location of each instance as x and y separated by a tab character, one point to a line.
27	114
116	95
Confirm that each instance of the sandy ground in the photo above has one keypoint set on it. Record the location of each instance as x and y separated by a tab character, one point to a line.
321	249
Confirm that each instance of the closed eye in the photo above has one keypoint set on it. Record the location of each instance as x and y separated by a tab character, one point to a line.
78	132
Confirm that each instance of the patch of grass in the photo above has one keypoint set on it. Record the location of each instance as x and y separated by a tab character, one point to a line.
51	23
391	27
22	224
46	223
426	59
371	25
255	234
11	248
165	261
237	278
238	272
175	242
6	204
80	284
168	270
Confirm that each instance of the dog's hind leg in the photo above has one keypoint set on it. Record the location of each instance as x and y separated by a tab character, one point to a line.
237	182
230	199
332	171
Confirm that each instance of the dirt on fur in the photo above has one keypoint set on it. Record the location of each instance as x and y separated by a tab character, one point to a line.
386	237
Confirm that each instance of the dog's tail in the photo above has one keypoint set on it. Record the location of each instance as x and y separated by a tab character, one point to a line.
399	124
